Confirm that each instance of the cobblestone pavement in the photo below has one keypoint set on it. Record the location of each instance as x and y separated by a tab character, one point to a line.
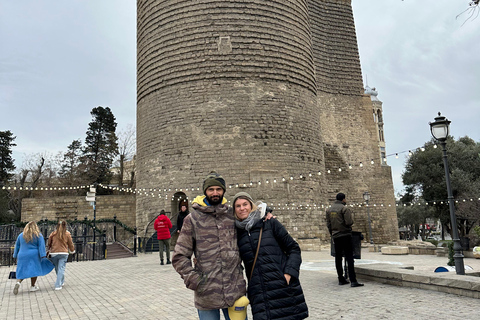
139	288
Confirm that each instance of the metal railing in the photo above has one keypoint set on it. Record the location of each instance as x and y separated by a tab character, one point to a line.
89	237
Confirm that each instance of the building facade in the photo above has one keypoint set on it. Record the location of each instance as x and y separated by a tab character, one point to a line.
270	95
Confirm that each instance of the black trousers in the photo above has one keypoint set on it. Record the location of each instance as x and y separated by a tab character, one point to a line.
343	247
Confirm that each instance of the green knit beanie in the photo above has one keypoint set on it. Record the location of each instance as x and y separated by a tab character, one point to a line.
213	179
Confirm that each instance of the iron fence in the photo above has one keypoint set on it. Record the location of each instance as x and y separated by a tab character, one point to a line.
90	238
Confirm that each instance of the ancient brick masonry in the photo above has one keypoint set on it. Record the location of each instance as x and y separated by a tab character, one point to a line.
256	90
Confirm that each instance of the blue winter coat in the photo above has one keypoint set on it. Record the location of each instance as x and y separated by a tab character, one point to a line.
31	258
270	295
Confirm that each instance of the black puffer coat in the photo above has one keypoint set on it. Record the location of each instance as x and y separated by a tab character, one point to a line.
270	296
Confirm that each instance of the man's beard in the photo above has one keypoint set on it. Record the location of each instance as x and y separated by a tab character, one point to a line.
214	200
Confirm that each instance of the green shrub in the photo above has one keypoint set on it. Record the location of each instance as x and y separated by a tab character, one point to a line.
433	241
451	261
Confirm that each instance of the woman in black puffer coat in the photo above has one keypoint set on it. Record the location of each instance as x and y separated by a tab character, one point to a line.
273	288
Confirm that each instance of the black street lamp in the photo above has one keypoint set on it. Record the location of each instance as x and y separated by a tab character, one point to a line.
366	197
439	130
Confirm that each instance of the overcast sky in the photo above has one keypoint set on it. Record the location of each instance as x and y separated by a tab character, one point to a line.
61	59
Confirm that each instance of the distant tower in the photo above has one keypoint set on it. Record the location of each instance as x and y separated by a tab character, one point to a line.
378	119
267	93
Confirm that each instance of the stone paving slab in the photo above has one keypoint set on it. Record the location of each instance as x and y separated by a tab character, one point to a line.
139	288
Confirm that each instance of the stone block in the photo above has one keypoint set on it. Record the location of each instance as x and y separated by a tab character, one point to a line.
395	250
417	278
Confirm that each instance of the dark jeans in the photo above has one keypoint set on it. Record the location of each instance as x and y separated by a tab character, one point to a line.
343	247
164	245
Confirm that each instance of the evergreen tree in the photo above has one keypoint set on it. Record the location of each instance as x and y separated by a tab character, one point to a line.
6	161
424	177
101	146
71	162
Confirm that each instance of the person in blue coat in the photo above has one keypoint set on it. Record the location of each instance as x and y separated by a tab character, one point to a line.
31	256
274	288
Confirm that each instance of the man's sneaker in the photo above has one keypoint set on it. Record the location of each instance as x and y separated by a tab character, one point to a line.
15	289
59	288
342	281
34	288
169	262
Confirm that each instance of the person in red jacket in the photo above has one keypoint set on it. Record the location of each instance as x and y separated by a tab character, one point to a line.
162	225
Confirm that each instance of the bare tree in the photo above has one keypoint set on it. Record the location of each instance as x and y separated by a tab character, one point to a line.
472	11
126	154
37	170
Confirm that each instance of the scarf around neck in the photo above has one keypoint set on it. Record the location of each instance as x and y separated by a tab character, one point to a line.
248	223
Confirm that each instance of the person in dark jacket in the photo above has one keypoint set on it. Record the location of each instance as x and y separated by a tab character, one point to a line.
183	207
274	288
339	223
163	225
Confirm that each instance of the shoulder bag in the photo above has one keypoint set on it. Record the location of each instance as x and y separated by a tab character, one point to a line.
256	254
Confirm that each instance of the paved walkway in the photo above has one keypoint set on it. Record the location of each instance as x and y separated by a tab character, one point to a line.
139	288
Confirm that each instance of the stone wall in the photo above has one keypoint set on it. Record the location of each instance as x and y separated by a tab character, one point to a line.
69	208
258	90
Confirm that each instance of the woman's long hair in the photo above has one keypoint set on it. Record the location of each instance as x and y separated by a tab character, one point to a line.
31	231
61	232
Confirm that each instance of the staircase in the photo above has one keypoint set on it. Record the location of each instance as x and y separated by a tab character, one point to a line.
117	250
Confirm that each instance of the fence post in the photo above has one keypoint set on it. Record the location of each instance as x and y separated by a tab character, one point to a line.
135	242
104	244
85	238
75	230
115	228
45	227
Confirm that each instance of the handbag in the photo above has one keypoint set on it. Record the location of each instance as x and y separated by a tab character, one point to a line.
12	274
256	254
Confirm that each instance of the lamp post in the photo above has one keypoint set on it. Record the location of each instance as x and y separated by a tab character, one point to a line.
439	129
366	197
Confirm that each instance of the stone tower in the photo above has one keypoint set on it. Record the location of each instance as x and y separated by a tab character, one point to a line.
267	93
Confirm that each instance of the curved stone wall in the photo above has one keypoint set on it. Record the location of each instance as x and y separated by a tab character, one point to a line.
226	86
257	90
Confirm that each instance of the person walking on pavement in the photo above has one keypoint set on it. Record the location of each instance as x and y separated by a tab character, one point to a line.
339	223
209	232
181	215
31	256
60	244
163	225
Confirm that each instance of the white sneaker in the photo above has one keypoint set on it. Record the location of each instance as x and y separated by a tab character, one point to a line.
15	289
59	288
34	288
